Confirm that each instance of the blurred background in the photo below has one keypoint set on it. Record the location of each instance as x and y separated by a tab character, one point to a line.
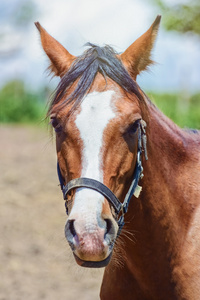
173	83
35	261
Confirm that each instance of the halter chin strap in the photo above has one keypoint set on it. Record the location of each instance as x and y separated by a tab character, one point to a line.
134	188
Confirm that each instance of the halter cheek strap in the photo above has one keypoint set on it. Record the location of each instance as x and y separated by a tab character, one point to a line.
90	183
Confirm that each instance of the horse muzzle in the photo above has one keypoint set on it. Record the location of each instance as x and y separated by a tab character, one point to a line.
92	244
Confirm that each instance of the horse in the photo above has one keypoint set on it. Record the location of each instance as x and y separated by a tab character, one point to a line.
129	175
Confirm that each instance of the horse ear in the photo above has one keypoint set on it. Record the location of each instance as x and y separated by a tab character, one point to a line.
59	57
137	57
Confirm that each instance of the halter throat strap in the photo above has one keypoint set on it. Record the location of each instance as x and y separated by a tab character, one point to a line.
103	189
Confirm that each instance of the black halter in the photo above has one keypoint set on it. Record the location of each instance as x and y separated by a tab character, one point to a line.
104	190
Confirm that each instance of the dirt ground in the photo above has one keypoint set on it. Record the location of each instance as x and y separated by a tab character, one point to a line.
35	259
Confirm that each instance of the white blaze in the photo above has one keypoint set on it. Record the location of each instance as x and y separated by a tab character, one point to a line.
96	112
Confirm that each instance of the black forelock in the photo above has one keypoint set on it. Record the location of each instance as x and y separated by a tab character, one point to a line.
85	68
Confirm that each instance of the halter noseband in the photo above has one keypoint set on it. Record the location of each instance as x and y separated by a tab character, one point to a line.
134	188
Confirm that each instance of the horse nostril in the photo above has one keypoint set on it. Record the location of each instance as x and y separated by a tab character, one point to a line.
109	226
71	227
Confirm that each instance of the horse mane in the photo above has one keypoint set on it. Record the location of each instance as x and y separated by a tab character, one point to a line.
94	60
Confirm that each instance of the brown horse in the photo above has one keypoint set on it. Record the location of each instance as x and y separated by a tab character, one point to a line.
105	128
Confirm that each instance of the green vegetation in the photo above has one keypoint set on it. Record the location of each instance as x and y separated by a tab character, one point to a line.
181	17
183	109
19	105
184	18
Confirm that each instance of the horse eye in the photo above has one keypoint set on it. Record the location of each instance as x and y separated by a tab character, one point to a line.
133	127
54	122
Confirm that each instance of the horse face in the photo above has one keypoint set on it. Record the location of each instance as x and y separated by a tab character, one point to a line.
98	141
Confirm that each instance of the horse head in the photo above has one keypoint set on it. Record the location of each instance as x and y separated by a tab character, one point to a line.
97	114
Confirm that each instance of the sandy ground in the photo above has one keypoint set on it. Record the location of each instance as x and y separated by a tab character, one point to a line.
35	259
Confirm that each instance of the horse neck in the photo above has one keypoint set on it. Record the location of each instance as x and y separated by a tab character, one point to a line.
161	216
170	152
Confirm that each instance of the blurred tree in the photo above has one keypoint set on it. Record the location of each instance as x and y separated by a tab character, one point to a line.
20	105
24	14
181	17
